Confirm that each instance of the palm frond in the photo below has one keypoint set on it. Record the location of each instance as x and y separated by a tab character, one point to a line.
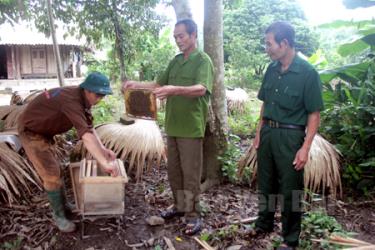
16	175
322	170
236	100
141	144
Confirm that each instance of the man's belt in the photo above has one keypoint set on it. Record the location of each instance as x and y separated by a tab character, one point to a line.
275	124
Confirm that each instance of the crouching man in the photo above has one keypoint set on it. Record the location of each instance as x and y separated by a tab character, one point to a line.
54	112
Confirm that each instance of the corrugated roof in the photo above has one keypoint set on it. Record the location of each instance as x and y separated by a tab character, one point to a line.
25	34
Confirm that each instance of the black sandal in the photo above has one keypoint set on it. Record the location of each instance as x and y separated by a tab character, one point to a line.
193	227
171	213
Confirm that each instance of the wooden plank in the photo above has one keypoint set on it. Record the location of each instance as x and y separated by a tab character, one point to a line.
122	170
103	179
82	168
74	170
88	168
95	169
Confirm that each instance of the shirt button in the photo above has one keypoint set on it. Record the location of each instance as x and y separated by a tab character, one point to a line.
273	103
279	77
276	90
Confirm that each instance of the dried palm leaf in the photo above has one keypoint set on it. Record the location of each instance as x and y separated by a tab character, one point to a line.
236	100
347	241
322	170
5	110
31	96
23	97
141	144
12	118
16	98
16	175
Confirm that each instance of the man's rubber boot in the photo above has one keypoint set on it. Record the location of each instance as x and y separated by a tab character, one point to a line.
68	206
56	202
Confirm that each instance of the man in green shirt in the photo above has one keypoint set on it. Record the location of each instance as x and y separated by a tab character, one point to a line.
289	120
187	85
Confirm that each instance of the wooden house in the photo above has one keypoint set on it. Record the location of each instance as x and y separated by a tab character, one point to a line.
28	54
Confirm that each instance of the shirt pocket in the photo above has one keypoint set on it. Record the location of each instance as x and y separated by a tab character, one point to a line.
288	99
267	88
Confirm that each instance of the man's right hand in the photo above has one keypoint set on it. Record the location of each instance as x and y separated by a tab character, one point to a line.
256	140
111	168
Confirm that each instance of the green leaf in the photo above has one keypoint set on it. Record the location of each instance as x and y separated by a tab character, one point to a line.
352	48
350	73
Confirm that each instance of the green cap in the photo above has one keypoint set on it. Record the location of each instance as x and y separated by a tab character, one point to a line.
98	83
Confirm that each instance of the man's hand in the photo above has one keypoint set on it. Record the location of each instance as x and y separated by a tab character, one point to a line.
128	85
301	158
112	168
163	92
256	140
109	154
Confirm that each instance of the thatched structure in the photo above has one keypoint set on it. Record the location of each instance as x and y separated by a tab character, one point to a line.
322	170
236	100
141	144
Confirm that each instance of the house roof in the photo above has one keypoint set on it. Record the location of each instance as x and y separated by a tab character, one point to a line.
26	34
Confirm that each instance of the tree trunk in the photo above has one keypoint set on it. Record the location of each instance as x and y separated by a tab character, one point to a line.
56	51
119	42
216	136
182	9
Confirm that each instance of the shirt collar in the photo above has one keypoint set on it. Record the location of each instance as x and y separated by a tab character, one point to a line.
192	54
293	67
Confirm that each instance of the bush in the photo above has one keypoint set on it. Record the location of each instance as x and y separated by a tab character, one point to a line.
109	109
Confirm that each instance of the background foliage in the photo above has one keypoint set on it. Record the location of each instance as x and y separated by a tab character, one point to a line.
244	25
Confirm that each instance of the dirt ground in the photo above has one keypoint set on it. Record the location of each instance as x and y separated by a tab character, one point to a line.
222	207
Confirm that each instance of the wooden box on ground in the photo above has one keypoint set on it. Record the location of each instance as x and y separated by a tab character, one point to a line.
95	192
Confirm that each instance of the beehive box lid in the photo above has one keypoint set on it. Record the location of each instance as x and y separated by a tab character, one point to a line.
140	103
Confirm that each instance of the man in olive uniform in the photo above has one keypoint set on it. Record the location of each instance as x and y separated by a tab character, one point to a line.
54	112
289	120
187	84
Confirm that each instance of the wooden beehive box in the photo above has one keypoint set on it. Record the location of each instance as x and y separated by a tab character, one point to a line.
95	192
140	103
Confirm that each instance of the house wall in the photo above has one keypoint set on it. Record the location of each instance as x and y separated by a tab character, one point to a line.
25	61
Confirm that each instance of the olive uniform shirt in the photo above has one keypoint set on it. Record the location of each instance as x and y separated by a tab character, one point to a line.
56	111
291	95
187	116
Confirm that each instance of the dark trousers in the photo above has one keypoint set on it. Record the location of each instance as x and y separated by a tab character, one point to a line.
279	181
185	160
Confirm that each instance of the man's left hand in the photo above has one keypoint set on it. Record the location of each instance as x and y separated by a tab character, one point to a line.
109	154
301	158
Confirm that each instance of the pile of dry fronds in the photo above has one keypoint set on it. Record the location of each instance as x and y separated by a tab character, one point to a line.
23	97
322	170
17	177
236	100
9	114
141	144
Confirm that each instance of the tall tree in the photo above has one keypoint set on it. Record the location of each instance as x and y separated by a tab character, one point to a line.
182	9
244	24
216	136
56	50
